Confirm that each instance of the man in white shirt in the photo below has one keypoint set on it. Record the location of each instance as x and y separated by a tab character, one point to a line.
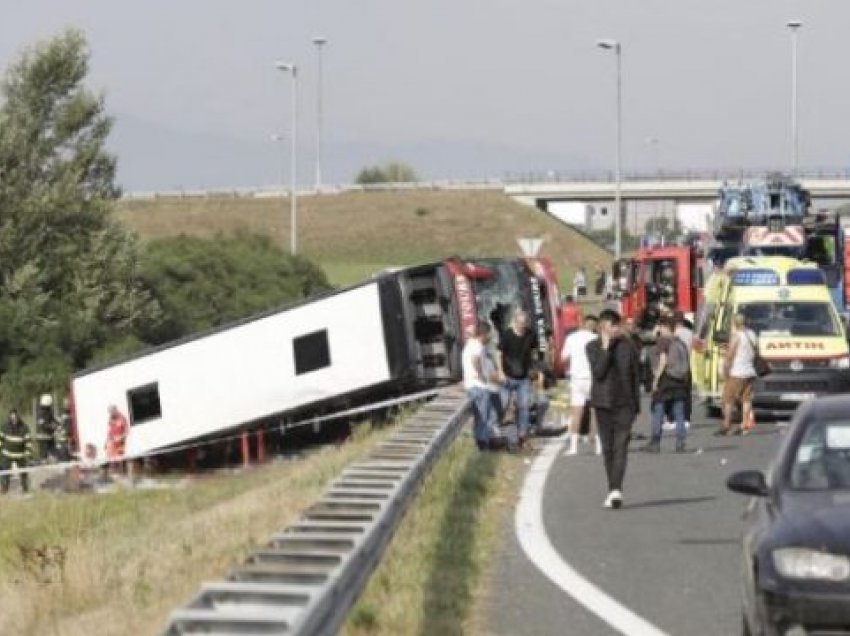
480	379
574	355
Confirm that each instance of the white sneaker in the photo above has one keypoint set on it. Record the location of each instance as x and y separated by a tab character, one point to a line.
614	500
598	445
668	426
572	449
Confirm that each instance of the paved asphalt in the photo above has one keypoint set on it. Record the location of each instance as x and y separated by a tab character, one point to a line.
671	555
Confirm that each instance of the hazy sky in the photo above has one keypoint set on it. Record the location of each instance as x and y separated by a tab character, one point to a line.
466	86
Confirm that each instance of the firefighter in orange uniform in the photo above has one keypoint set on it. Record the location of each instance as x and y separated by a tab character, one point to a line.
116	435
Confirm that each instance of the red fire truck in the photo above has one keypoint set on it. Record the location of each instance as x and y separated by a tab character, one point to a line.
659	276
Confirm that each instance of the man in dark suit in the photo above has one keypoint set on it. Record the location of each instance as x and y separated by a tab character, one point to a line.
615	394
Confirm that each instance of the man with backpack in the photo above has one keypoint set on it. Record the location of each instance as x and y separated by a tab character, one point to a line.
670	384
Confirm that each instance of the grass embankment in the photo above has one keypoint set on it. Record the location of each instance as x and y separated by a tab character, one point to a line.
119	563
431	579
354	234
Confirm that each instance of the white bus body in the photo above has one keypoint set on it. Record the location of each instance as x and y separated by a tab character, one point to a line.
239	374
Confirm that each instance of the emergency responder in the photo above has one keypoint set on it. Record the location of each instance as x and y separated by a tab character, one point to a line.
15	450
117	430
62	433
45	428
667	285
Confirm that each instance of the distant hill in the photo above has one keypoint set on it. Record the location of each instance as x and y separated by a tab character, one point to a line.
357	233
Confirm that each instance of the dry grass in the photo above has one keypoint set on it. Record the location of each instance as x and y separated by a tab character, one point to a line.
118	564
354	234
434	573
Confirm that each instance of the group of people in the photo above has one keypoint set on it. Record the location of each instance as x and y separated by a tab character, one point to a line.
50	441
507	377
20	448
603	283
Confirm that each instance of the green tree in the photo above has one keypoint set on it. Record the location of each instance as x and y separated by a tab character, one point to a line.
204	283
390	172
67	269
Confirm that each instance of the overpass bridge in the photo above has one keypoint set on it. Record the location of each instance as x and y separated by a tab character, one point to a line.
679	189
588	202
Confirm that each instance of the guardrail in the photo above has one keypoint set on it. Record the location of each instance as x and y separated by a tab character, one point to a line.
305	579
261	192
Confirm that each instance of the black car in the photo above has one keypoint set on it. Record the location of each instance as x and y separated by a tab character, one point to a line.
796	550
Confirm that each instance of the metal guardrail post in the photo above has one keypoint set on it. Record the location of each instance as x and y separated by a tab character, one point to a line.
306	578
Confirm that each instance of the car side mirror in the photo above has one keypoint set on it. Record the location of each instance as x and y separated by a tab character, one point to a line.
748	482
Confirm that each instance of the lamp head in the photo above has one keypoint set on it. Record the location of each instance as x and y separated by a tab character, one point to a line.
284	66
608	44
320	40
793	24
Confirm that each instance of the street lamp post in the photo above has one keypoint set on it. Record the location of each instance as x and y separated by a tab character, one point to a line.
279	138
614	45
794	26
319	42
293	167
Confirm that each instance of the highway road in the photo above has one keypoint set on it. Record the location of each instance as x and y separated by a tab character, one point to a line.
670	556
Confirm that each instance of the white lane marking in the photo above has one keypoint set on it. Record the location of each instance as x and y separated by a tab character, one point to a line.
540	551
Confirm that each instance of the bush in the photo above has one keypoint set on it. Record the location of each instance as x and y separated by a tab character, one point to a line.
204	283
391	172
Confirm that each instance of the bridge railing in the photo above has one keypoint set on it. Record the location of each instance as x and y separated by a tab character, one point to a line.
608	176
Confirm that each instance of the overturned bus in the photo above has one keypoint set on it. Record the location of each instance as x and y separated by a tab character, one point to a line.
400	332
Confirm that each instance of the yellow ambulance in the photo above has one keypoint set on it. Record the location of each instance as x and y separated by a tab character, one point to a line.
800	333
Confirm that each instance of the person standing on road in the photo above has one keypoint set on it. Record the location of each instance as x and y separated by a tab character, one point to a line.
615	395
740	373
570	316
684	332
670	385
580	283
474	361
575	360
518	347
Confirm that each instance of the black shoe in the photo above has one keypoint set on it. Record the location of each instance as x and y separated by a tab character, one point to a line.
651	447
680	447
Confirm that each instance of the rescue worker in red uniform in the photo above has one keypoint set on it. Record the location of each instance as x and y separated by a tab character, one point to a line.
570	317
116	440
116	436
15	450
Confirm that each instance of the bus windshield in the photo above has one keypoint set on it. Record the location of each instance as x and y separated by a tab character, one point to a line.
791	318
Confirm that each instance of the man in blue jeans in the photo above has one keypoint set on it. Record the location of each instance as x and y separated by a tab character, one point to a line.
670	385
480	377
518	347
